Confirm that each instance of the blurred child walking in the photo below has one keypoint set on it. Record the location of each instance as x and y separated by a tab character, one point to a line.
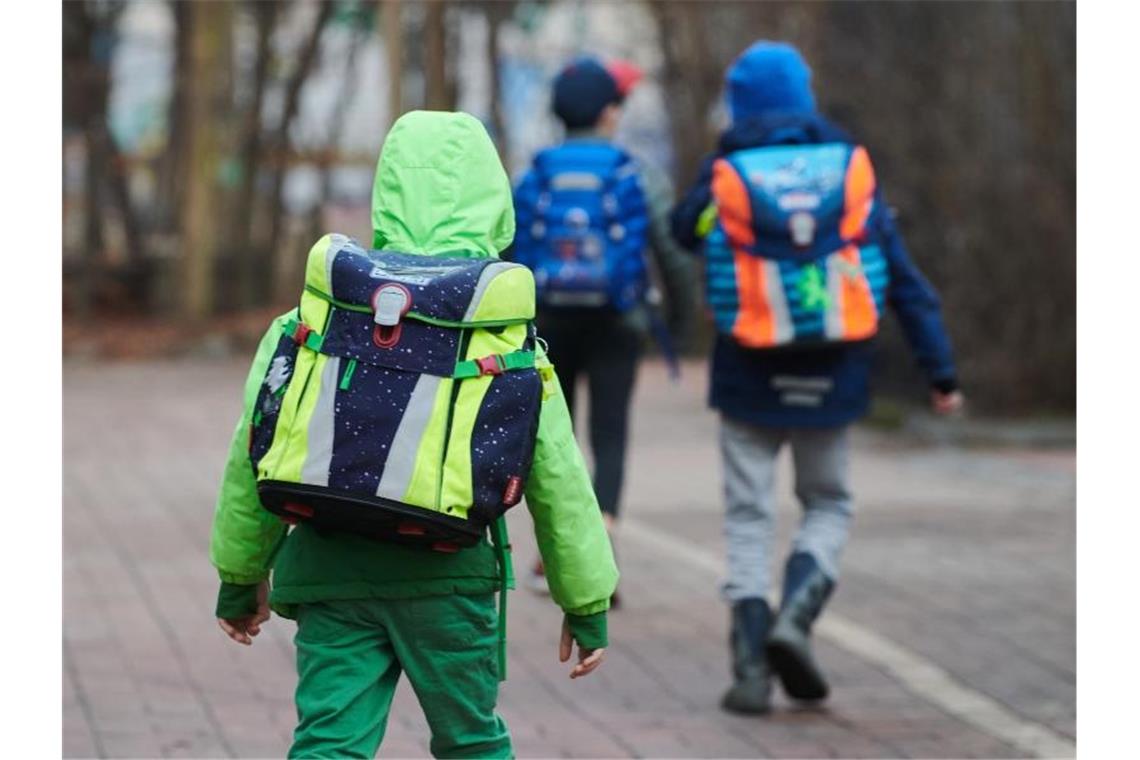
588	214
801	258
368	610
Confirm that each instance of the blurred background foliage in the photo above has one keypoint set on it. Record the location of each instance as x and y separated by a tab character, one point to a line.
207	144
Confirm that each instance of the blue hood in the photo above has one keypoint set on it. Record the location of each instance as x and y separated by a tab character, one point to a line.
769	77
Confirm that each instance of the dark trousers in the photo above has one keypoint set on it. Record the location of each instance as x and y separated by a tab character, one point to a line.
606	349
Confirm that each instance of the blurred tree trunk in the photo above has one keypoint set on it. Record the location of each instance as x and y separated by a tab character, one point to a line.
439	81
77	33
207	105
497	12
337	121
688	90
90	36
392	19
172	168
279	147
252	262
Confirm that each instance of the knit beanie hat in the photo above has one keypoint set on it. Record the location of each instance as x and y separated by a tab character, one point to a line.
768	76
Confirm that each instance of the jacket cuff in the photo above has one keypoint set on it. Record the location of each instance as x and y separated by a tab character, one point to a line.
945	384
236	601
589	630
240	579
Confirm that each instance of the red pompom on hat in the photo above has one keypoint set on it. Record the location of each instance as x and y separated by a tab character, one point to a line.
625	74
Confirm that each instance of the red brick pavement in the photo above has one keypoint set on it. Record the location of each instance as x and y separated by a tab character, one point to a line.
946	560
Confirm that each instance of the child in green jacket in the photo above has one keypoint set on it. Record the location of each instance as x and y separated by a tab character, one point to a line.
365	610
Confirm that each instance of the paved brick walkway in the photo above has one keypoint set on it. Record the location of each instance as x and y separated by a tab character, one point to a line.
963	558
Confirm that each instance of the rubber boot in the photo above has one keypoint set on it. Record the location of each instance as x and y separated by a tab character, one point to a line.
806	590
751	688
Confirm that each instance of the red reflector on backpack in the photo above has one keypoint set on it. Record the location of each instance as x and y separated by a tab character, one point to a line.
304	510
410	529
512	494
445	547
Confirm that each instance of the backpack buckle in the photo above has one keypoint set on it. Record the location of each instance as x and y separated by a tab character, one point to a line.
490	365
301	333
390	302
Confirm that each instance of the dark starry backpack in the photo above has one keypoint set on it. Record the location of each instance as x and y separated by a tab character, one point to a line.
402	401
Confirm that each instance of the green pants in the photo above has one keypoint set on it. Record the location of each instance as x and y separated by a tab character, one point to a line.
350	655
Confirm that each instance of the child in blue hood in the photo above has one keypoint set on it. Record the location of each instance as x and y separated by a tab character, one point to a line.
771	388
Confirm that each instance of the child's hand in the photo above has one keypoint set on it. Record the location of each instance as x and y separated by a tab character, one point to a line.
588	659
243	629
947	404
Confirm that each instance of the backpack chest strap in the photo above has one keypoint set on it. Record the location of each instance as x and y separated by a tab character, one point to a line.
303	335
495	364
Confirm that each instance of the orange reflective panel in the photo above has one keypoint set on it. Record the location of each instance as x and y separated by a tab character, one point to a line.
734	206
754	325
860	317
859	193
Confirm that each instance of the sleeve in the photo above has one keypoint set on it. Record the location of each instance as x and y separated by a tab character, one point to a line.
245	536
686	217
589	630
918	308
673	262
236	600
572	539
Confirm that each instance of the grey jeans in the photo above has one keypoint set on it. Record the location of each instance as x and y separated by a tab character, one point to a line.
749	455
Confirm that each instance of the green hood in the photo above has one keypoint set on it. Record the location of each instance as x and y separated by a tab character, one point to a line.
440	187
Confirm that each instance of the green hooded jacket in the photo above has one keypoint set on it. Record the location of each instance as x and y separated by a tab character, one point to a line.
440	188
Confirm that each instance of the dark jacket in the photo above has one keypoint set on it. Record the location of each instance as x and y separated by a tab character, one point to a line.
820	387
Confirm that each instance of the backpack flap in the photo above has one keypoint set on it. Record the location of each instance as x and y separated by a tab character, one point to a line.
791	201
405	311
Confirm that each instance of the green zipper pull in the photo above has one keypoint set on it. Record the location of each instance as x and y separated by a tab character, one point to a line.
347	378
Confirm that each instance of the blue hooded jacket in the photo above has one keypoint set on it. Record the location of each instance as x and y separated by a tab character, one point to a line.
751	385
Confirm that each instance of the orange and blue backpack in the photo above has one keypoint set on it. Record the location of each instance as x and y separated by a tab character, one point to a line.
792	258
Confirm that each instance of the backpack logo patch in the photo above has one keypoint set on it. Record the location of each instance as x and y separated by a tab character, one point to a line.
412	278
278	375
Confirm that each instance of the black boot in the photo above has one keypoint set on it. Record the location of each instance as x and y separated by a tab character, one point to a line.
751	684
806	590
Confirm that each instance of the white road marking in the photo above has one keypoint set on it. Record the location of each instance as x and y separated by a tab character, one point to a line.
917	674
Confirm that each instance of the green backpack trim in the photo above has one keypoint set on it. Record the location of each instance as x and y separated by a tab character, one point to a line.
492	364
418	316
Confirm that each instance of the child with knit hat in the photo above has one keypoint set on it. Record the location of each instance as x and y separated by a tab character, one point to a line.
801	257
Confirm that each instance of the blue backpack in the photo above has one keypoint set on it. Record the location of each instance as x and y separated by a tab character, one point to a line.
582	227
